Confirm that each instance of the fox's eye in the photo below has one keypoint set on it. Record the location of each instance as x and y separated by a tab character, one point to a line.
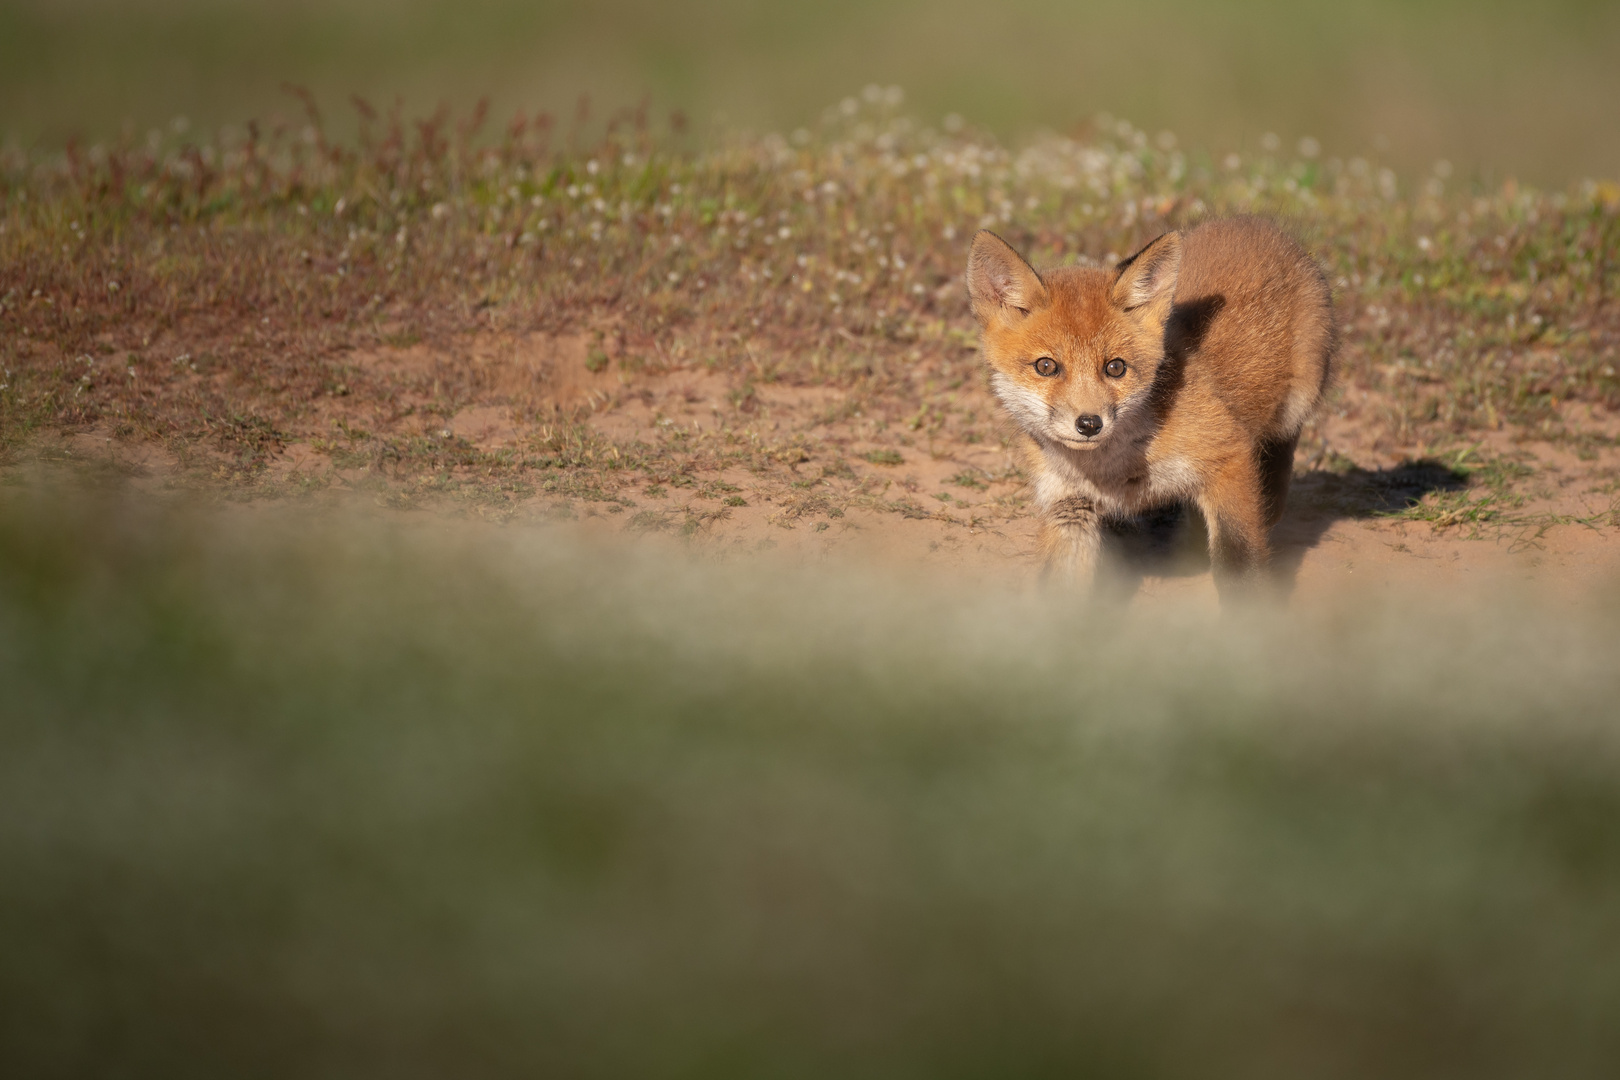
1115	368
1046	366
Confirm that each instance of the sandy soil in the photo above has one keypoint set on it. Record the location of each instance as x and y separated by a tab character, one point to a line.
839	475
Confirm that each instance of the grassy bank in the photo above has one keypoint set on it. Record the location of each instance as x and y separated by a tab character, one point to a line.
295	796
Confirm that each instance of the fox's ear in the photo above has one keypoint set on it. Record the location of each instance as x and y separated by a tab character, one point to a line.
999	279
1147	280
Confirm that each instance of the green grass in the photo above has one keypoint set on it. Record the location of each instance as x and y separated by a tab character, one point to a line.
285	796
1511	87
1487	497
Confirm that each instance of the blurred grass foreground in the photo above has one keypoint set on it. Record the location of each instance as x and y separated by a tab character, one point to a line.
288	796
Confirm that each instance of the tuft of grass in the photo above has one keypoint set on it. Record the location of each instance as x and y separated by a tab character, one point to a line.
969	479
1487	495
884	457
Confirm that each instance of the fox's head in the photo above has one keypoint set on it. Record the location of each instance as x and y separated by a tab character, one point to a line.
1073	353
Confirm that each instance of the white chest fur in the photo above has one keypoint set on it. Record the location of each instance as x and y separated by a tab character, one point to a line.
1121	479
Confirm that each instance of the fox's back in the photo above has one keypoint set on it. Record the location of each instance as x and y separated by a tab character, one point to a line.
1253	322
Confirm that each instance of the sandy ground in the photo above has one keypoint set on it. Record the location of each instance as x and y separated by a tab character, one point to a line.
860	483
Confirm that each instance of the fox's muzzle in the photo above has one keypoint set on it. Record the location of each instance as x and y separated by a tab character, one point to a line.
1088	424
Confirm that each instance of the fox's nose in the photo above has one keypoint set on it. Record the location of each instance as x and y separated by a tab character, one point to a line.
1088	425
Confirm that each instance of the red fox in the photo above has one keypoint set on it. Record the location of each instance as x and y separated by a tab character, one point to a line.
1183	374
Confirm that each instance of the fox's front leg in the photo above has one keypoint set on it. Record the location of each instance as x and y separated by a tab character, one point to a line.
1234	509
1070	538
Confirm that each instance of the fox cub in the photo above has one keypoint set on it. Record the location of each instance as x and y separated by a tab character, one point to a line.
1185	373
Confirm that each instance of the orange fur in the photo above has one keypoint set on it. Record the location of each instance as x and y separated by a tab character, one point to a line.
1226	336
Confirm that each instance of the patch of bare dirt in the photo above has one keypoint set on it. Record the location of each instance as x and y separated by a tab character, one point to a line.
137	459
729	466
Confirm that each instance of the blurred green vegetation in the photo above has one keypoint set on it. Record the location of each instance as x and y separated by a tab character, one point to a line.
1510	87
293	796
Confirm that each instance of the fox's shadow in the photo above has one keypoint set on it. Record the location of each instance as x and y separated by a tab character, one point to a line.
1172	541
